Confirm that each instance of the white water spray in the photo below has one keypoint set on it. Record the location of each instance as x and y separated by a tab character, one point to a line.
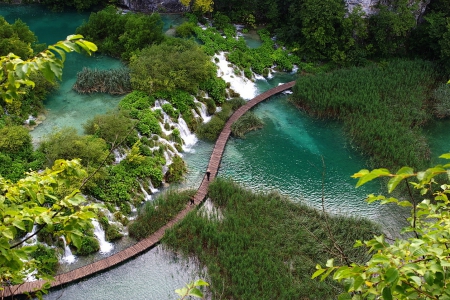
244	86
105	246
68	257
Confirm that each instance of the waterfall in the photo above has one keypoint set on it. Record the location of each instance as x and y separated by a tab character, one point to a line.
68	257
105	246
33	240
152	188
203	111
245	87
118	157
188	138
147	196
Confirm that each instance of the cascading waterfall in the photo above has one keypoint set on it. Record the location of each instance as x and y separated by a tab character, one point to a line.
151	187
118	156
105	246
188	138
68	257
245	87
203	110
147	196
32	240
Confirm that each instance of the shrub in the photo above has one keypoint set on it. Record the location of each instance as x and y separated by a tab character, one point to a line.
157	213
176	170
211	130
249	121
185	30
113	127
173	65
67	144
46	260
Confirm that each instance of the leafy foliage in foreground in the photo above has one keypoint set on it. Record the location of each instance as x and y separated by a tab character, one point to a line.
413	268
38	200
264	246
383	107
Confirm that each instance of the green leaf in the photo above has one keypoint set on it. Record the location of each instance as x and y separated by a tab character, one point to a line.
372	175
391	275
429	277
19	224
8	233
76	240
317	273
182	292
387	294
196	293
200	282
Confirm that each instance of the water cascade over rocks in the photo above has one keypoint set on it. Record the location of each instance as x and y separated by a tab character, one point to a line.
244	86
68	257
105	246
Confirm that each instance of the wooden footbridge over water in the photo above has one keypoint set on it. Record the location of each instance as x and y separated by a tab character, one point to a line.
152	240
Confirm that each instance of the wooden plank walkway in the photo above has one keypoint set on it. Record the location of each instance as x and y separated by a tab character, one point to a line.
151	241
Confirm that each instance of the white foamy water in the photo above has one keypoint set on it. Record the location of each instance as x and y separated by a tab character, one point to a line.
239	83
68	256
203	111
105	246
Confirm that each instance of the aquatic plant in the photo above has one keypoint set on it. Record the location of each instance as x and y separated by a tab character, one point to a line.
157	213
112	81
265	246
383	107
248	122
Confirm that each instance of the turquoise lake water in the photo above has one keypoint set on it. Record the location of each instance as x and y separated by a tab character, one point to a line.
290	154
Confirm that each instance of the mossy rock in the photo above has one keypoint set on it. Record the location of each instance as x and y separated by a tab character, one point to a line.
113	233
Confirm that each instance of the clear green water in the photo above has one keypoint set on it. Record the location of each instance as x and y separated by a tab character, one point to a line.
65	107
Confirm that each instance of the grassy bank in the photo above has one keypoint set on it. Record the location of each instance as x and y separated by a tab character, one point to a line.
265	247
383	107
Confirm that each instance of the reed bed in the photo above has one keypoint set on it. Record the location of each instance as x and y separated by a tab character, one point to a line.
113	81
265	246
154	214
383	108
248	122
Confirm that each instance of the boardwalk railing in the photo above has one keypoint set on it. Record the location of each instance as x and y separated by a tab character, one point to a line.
149	242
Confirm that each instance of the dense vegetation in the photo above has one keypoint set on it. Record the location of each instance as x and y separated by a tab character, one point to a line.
323	31
263	246
113	81
173	65
157	213
382	106
122	35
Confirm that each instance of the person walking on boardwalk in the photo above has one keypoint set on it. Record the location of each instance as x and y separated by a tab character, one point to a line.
191	200
208	173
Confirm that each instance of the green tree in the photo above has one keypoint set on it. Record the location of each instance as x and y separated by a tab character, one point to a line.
174	64
412	268
35	202
202	6
16	38
15	72
121	35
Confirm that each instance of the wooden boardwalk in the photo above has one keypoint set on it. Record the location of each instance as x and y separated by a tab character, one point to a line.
151	241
